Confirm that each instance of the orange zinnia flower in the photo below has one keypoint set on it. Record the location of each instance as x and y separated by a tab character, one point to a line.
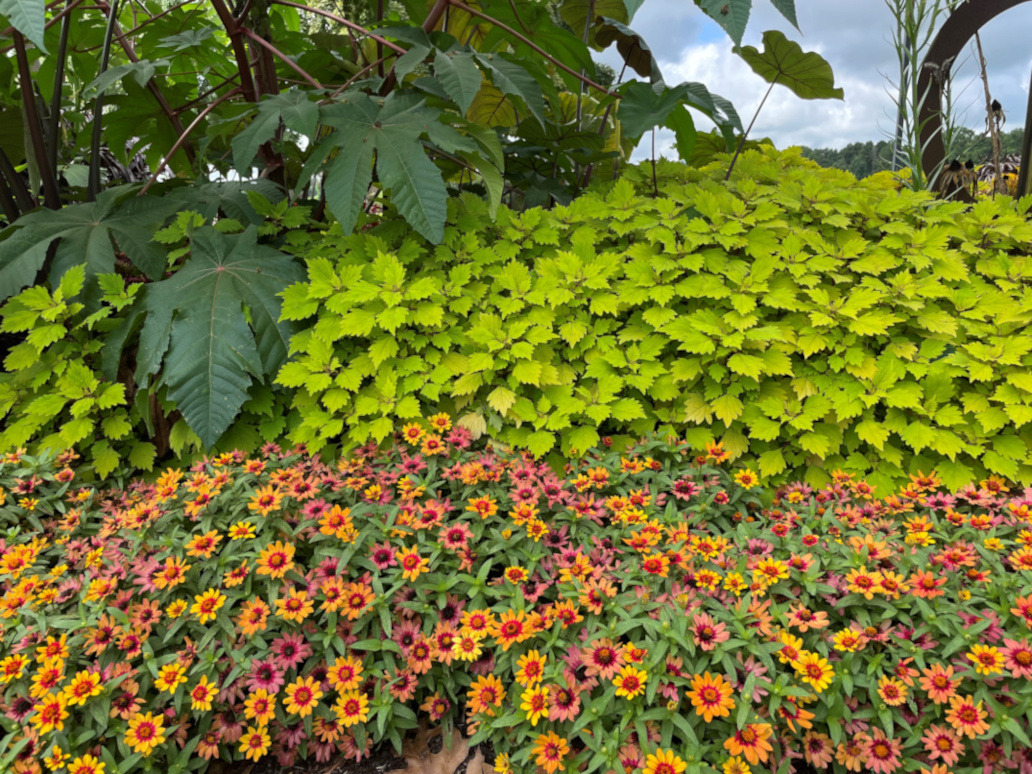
753	742
967	717
711	696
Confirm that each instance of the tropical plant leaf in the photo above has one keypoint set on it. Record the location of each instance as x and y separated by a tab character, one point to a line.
29	17
632	7
643	107
576	13
292	107
514	79
142	71
787	9
213	352
394	128
492	108
86	232
459	75
680	121
783	61
631	46
731	15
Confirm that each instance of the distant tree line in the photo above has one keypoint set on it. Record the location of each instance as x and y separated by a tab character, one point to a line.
866	158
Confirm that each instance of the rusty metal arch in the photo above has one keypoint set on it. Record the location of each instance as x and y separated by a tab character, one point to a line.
955	34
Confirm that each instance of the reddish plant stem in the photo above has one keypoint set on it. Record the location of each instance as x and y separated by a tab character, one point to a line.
354	78
341	20
526	41
236	40
152	86
281	56
212	90
186	133
51	196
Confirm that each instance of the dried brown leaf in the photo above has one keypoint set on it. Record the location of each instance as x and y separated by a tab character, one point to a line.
421	760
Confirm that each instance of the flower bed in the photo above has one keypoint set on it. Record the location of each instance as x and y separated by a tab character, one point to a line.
638	611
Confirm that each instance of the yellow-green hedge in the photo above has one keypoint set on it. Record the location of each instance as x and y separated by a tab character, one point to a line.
807	320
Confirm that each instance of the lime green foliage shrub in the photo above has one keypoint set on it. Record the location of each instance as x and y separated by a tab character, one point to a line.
807	320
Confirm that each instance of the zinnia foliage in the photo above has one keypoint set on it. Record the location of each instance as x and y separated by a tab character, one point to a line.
633	610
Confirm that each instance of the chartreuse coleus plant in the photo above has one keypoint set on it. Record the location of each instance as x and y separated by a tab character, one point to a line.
806	320
630	612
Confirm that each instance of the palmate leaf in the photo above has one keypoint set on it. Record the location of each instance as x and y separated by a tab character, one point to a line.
86	232
459	75
292	107
783	61
394	130
645	106
198	314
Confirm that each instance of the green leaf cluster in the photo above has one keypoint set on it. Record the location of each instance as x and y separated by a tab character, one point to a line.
52	393
808	321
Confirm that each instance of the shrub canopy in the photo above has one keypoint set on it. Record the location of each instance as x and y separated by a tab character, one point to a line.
806	320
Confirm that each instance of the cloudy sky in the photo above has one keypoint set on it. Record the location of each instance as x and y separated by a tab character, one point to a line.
855	36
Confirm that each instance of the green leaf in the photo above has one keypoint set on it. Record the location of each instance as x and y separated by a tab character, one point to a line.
681	123
213	351
771	463
291	107
783	61
581	14
631	46
540	442
459	75
513	79
105	459
142	455
582	439
731	15
394	131
501	400
85	232
727	408
787	9
29	17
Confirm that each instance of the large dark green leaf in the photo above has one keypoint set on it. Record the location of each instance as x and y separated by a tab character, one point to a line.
292	107
213	352
732	15
86	232
395	129
460	76
680	121
644	106
783	61
632	47
29	17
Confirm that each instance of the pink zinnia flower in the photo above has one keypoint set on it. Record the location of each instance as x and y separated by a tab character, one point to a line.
382	555
1018	658
707	633
290	650
265	674
882	753
564	704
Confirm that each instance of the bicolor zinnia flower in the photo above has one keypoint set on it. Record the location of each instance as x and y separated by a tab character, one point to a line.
939	683
711	696
967	717
892	691
664	762
631	682
882	753
753	742
942	743
146	731
550	750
